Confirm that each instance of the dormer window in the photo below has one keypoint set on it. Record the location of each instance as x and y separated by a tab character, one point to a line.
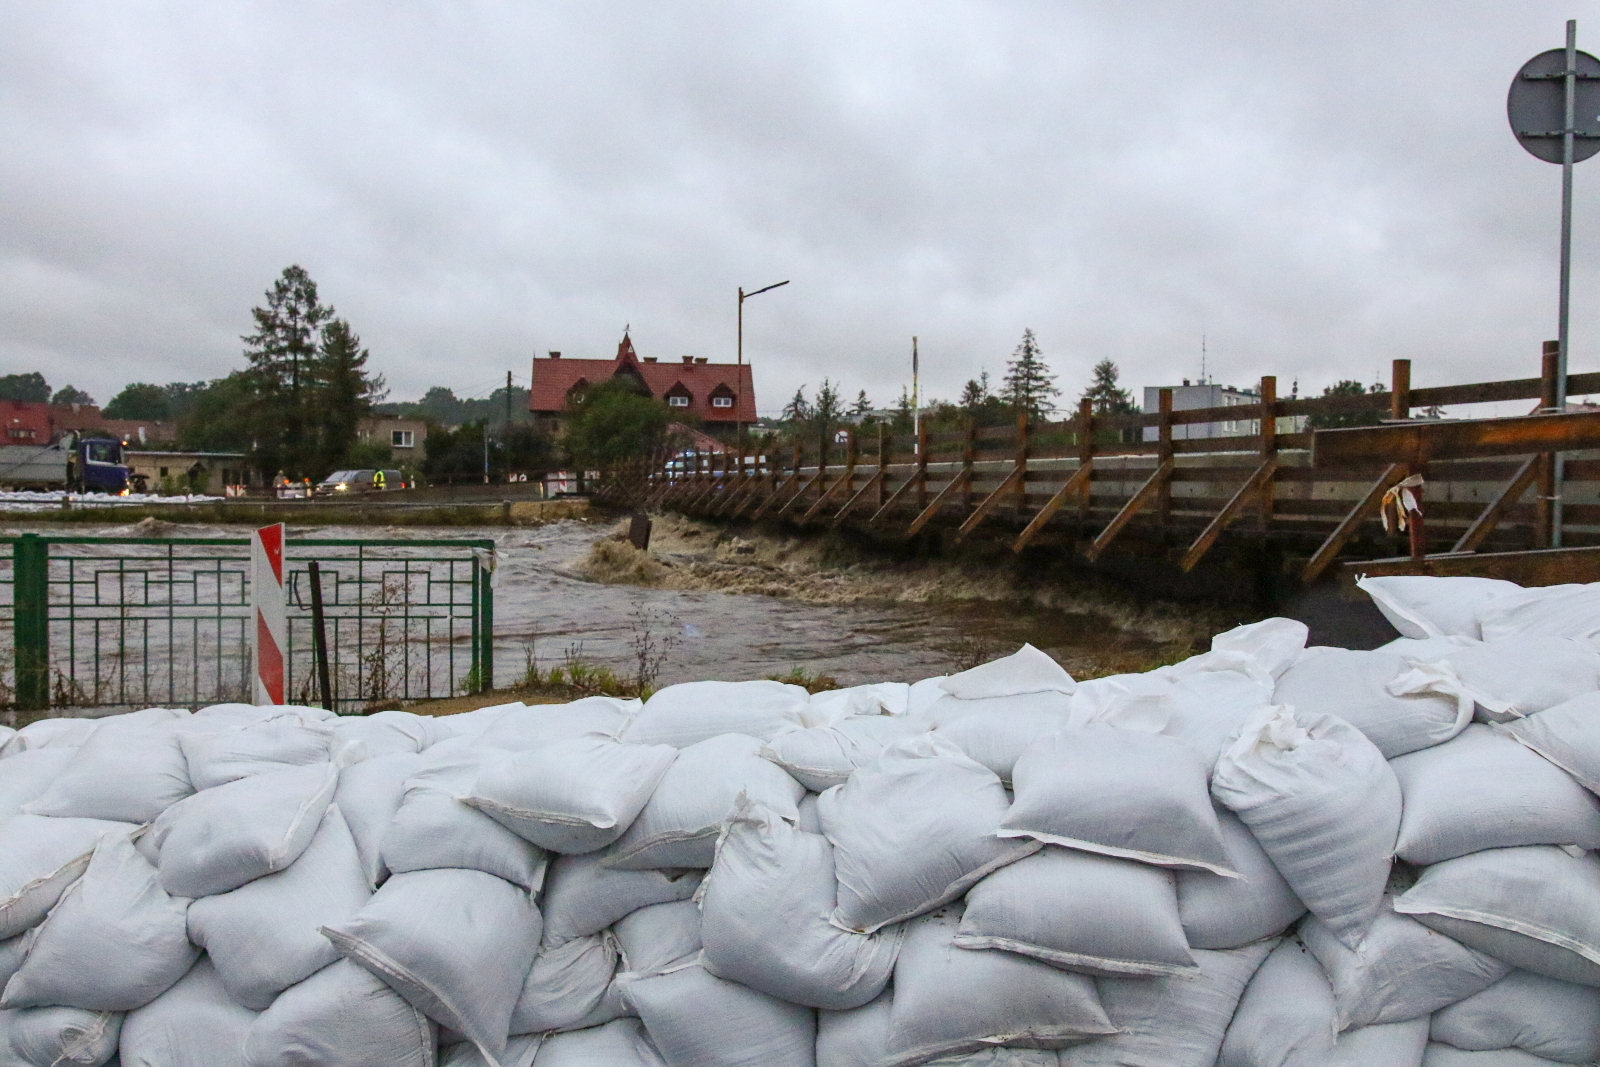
679	396
722	401
579	389
678	401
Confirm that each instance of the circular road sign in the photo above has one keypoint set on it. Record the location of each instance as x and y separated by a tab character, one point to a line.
1536	105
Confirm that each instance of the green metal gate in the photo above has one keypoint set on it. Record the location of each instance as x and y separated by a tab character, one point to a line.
143	621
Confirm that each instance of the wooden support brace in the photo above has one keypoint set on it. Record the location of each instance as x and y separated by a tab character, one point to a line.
860	495
777	491
990	502
1485	523
804	489
957	483
905	489
1136	503
823	497
1252	487
1346	529
735	495
1071	488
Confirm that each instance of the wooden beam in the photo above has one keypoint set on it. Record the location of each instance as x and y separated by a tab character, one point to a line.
1485	523
777	491
894	498
822	498
1548	566
1417	443
1085	454
989	503
1259	478
1136	503
1068	490
860	495
822	472
1269	447
956	484
1400	389
1346	529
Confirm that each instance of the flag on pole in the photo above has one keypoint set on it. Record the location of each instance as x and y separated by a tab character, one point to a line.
268	606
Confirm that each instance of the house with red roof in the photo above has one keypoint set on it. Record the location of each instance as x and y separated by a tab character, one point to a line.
721	395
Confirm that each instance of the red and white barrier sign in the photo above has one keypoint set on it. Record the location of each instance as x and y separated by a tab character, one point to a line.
268	606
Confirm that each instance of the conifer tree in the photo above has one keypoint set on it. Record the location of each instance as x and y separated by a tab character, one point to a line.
1028	384
1106	395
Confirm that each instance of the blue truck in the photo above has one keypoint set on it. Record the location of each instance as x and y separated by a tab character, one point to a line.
76	464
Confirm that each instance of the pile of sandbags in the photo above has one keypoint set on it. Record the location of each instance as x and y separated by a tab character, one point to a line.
1264	856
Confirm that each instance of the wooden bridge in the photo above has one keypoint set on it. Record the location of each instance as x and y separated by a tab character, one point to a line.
1147	486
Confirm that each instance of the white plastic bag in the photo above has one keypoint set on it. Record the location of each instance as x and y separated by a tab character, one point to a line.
678	827
1273	643
39	857
456	944
879	698
1571	611
855	1038
1081	911
386	733
1567	735
342	1016
369	796
127	771
114	942
998	741
58	1037
436	828
1380	694
913	830
824	756
566	987
1440	1055
524	729
572	796
289	740
520	1052
583	896
1483	790
1556	1020
696	1019
264	936
620	1043
1510	677
27	774
192	1024
1323	804
1226	913
1025	671
48	733
659	937
764	917
681	715
1422	606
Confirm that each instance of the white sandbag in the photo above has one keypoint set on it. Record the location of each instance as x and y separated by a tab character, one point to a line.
523	728
620	1043
659	937
48	733
242	751
39	858
265	936
583	896
922	694
12	950
1571	611
566	987
114	942
913	830
1110	787
1403	971
1567	735
572	796
1273	643
456	944
58	1037
342	1016
1483	790
1556	1020
1421	606
1323	803
679	825
386	733
468	725
681	715
808	819
223	837
1285	1019
1510	677
1378	693
1026	670
696	1019
824	756
764	923
998	741
520	1052
948	710
193	1024
27	774
1439	1055
879	698
369	796
949	1000
855	1038
436	828
1081	911
1226	913
1175	1021
130	772
6	734
1535	907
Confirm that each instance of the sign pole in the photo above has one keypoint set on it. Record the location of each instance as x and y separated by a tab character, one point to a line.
1568	129
271	614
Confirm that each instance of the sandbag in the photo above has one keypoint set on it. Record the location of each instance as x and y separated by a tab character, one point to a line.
1323	803
48	733
1439	1055
1483	790
948	710
192	1024
913	830
1567	735
950	1000
386	733
696	1019
1285	1019
342	1016
572	796
520	1052
1535	907
922	694
681	715
1226	913
1571	611
369	796
1274	643
1404	971
1421	606
807	818
524	729
28	774
115	941
998	741
764	915
1120	791
824	756
878	698
1548	1018
566	987
1514	676
620	1043
436	827
1380	694
583	896
1176	1021
223	837
678	827
1026	670
228	755
58	1037
265	936
1080	911
661	936
456	944
855	1038
12	950
39	857
127	771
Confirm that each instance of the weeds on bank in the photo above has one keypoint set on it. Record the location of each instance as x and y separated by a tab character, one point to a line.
811	683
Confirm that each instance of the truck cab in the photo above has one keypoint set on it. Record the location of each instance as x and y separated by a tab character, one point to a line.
97	467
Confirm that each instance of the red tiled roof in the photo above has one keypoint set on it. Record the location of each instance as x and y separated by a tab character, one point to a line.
553	379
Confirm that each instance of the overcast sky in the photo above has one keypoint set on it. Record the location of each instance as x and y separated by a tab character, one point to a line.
1315	188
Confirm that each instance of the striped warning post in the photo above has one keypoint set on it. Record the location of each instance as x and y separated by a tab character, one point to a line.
268	606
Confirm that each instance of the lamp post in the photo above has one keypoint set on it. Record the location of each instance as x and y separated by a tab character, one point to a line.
739	374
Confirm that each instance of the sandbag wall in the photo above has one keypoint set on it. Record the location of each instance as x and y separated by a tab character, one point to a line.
1265	856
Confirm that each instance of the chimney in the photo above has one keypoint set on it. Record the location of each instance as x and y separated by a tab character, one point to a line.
555	355
649	359
703	360
688	361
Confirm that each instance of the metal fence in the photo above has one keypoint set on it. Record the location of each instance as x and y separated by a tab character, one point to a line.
144	621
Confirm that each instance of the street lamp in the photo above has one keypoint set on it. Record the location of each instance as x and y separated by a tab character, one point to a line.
739	375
